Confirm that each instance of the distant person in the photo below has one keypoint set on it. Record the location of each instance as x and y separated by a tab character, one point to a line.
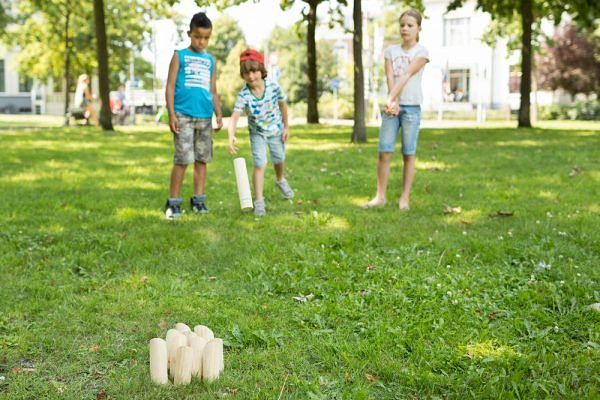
118	106
459	95
192	99
404	64
263	102
83	98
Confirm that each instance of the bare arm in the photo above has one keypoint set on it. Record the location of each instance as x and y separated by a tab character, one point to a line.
231	131
170	93
413	68
215	99
284	117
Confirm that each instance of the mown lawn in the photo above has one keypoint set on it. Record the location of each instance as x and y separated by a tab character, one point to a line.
320	299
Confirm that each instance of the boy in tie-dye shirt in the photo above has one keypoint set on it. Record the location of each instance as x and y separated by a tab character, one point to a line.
263	102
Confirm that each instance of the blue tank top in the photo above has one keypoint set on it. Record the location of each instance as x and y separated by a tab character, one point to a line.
192	88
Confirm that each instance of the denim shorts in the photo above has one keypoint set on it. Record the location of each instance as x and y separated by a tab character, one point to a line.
409	121
259	145
194	140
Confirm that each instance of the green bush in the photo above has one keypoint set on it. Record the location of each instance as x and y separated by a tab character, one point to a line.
586	110
327	107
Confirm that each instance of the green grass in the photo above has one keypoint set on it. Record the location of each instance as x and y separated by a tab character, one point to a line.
320	299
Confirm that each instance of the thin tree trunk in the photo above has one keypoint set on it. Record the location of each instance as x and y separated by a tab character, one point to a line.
67	71
312	111
525	107
102	53
359	134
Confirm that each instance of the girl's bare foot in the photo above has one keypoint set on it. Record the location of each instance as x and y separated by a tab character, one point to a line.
374	203
403	204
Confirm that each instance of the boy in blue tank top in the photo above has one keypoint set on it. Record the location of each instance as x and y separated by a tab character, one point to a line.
192	99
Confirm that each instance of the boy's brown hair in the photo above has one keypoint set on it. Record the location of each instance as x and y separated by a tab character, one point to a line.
252	65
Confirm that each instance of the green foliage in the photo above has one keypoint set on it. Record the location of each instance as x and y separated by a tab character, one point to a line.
587	110
225	36
289	44
229	80
319	299
39	32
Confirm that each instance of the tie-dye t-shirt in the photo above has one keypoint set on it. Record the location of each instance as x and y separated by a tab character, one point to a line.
264	116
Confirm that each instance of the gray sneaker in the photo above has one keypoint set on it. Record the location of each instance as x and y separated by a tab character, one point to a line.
260	208
285	188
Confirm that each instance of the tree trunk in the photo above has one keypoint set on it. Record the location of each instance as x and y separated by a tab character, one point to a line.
312	112
525	107
102	53
359	134
67	71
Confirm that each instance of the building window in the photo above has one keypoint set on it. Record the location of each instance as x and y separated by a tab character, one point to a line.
456	85
25	85
2	88
456	31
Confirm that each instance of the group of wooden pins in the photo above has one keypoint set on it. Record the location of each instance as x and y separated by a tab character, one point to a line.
186	354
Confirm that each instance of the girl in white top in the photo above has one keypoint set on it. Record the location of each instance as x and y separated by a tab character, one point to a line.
404	66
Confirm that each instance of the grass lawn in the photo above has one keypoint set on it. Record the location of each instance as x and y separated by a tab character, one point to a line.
319	299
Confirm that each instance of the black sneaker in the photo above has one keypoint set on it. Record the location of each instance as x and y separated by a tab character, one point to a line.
173	209
198	205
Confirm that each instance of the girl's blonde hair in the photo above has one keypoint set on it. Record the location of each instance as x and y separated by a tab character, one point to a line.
415	14
82	78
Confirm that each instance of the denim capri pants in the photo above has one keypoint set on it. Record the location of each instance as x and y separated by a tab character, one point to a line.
259	145
409	121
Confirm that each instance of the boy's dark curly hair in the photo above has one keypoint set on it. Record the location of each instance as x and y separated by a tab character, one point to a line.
200	20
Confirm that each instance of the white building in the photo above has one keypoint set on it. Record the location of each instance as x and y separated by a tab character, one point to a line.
15	91
463	72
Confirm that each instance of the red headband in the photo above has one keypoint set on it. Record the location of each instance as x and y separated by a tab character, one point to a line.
251	55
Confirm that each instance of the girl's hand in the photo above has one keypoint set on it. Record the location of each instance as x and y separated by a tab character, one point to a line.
232	147
392	108
286	134
174	124
219	123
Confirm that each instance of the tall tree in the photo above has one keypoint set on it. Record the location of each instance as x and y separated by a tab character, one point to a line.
359	133
102	52
531	12
310	17
569	62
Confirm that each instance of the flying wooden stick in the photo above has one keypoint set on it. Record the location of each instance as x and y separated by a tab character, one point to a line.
243	184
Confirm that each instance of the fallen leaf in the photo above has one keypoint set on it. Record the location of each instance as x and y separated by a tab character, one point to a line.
452	210
163	324
464	221
501	213
371	378
232	390
300	202
370	267
144	279
575	171
94	348
212	278
101	396
347	378
299	213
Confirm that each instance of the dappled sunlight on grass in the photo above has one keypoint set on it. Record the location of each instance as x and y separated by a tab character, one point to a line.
54	145
132	185
311	145
523	143
52	228
127	214
489	350
432	165
465	217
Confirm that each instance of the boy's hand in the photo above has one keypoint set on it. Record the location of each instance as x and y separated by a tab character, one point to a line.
219	123
286	134
232	148
174	124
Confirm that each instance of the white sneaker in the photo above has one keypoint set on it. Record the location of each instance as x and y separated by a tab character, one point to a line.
285	188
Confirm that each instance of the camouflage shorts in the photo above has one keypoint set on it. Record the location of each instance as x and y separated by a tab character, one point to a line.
194	141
